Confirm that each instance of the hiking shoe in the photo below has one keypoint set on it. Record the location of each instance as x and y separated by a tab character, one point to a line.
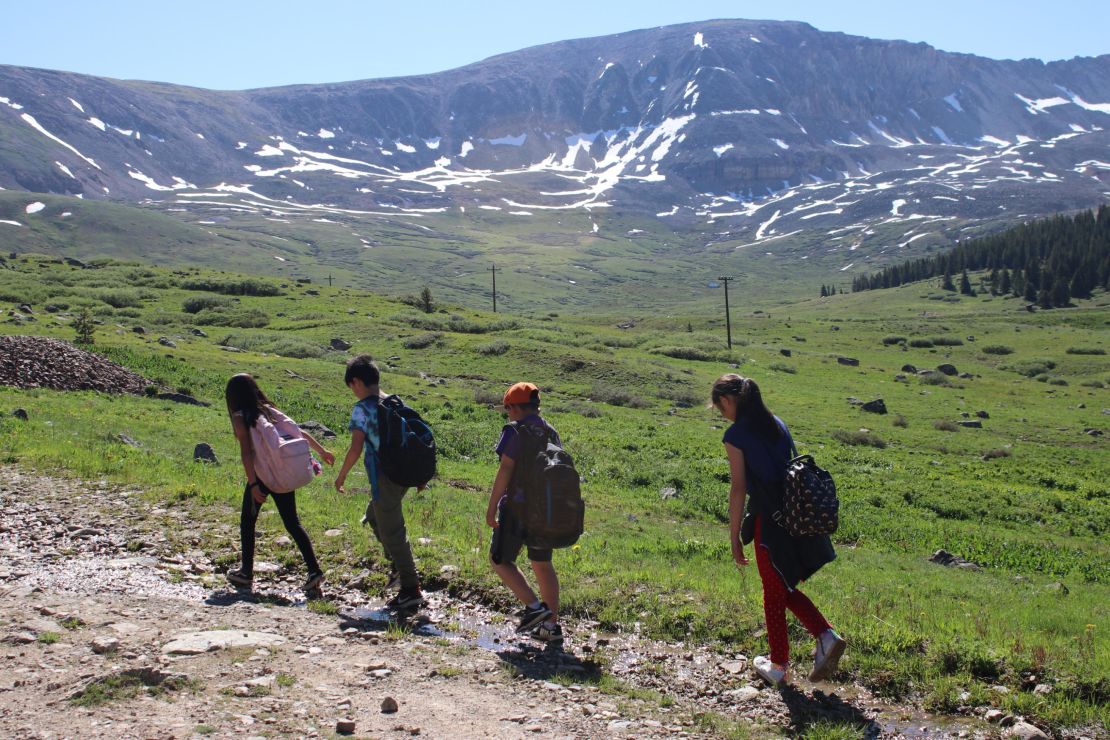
406	598
830	646
239	579
530	617
550	633
312	585
769	672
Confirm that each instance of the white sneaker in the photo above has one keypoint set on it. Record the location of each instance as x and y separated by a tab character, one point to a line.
830	646
768	671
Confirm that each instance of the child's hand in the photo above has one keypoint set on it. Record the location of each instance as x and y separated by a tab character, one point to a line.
491	518
339	484
329	458
258	494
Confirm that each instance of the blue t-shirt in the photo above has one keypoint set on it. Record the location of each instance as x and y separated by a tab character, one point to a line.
364	418
764	460
509	445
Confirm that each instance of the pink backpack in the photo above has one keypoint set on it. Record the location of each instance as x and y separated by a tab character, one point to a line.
282	457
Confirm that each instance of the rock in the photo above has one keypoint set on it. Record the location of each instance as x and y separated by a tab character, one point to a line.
1026	731
317	429
1042	689
970	423
875	407
947	559
389	705
345	727
20	414
181	398
203	452
102	645
198	333
947	369
907	368
668	493
734	666
340	345
229	348
20	638
358	582
982	414
900	377
139	329
1058	588
448	570
283	541
966	376
849	361
166	342
195	643
994	716
124	439
25	308
785	352
333	533
743	694
74	262
1093	432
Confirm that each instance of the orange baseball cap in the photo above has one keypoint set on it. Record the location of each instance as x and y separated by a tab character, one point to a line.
522	393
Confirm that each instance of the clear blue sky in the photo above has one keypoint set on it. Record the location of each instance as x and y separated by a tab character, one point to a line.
235	44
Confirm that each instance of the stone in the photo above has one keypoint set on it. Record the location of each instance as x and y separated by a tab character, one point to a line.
198	333
203	452
947	559
317	429
124	439
734	666
196	643
139	329
389	705
20	638
743	694
1042	689
340	345
982	414
849	361
970	423
166	342
345	727
785	352
875	407
181	398
333	533
20	414
1026	731
947	369
668	493
283	541
994	716
102	645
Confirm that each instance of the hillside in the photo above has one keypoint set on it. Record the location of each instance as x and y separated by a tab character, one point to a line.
1001	464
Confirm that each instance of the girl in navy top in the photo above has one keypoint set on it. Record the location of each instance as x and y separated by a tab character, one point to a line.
759	448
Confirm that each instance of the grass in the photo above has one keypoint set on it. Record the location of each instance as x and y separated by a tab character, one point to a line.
285	680
1041	513
322	606
48	638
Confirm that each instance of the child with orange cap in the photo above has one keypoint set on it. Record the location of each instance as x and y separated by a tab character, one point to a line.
540	616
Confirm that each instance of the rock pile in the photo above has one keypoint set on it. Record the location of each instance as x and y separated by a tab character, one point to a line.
40	362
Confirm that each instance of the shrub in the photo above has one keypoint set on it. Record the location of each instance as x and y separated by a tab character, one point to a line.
494	348
276	345
683	397
1056	380
946	426
622	342
900	421
615	396
998	349
1032	368
892	339
487	397
201	302
921	343
583	409
994	454
420	341
935	378
1086	351
684	353
245	286
251	318
858	438
84	327
947	342
120	298
1093	384
782	367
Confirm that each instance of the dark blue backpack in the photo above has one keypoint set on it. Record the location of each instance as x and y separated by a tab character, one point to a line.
406	447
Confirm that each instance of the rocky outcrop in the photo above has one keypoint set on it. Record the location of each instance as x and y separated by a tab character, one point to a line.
39	362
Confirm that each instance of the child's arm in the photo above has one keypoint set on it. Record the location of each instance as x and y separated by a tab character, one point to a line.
324	454
246	456
358	439
737	493
500	485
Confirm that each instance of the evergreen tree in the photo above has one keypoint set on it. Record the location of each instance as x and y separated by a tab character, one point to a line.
965	284
824	292
1061	294
946	282
1003	282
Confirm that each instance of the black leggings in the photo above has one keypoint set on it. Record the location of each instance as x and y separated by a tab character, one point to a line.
287	506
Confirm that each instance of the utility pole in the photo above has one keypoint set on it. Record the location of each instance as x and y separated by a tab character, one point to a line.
728	316
493	274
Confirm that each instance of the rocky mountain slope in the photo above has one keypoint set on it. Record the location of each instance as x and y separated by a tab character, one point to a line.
754	130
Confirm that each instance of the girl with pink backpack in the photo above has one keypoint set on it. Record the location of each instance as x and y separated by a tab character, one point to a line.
277	458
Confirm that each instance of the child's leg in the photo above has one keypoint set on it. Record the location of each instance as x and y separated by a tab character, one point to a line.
774	602
287	506
388	524
505	545
808	614
247	519
512	577
548	581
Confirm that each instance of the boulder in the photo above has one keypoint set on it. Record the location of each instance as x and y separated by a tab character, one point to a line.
907	368
139	329
947	369
203	452
785	352
947	559
345	727
104	645
389	705
20	414
982	414
875	407
849	361
166	342
196	643
124	439
317	429
181	398
1026	731
340	345
668	493
197	332
970	423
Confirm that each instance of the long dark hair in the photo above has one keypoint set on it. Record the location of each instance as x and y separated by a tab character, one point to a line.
749	403
244	395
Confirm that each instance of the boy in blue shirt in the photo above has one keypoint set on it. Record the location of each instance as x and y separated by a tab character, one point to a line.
384	513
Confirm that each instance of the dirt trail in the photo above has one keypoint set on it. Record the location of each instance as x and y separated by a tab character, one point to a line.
92	595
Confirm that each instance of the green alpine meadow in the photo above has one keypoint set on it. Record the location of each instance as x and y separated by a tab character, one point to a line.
989	443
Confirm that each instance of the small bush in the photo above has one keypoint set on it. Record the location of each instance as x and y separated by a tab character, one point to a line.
921	343
583	409
120	298
246	286
995	454
935	378
201	302
622	342
1056	380
421	341
1093	384
1032	368
250	318
858	438
892	339
486	397
900	422
494	348
615	396
683	397
998	349
782	367
1086	351
684	353
946	426
947	342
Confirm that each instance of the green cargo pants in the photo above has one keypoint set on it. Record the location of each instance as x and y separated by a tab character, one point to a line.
386	518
